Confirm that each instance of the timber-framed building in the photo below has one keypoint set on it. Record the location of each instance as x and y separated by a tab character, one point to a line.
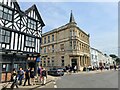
20	37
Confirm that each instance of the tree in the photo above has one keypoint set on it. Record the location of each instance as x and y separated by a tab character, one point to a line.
113	56
117	61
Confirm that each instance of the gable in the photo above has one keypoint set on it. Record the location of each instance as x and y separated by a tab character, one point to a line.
33	13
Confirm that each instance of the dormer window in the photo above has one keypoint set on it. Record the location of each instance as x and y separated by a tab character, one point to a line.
31	24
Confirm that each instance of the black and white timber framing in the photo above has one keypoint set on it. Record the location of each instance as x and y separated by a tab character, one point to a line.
20	35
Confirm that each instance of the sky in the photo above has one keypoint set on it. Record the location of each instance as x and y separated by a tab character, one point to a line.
99	19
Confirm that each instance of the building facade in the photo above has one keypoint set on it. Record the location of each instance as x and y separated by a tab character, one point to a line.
94	57
20	37
99	59
65	45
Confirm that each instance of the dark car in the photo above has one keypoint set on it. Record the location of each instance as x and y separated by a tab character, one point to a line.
56	72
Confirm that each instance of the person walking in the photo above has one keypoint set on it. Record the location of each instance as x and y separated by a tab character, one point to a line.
39	73
115	67
75	69
44	76
14	79
32	76
13	74
20	75
27	77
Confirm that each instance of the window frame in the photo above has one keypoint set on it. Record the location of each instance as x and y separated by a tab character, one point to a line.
5	13
5	36
29	41
32	24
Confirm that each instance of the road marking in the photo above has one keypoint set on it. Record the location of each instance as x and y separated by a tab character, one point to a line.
54	82
55	86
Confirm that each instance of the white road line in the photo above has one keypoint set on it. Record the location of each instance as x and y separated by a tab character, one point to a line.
54	82
55	86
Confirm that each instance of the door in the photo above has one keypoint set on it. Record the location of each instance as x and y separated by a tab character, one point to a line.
74	62
31	64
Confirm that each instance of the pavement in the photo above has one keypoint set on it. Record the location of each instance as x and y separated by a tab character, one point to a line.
38	84
49	79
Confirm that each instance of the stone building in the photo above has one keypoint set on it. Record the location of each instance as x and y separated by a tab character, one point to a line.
65	45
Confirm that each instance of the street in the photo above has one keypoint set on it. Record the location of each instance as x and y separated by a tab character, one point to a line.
107	79
92	79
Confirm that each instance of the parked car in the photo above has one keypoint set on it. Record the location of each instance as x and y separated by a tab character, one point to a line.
107	67
56	72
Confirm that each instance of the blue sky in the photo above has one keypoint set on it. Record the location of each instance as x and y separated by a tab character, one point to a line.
99	19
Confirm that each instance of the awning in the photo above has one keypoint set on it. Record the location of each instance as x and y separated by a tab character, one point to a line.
38	59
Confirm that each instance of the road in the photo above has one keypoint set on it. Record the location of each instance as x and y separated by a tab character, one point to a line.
108	79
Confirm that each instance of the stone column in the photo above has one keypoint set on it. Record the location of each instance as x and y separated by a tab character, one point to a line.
78	61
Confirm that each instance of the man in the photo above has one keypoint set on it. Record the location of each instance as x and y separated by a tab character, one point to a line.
39	72
44	76
27	76
21	75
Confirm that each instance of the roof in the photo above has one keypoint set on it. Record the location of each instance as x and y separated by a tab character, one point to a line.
71	22
33	7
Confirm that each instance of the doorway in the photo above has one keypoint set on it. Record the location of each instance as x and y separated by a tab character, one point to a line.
74	62
31	64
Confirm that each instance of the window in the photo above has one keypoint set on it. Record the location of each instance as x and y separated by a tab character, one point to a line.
44	61
52	37
5	13
30	41
74	44
48	61
48	39
92	56
52	48
52	61
31	24
44	49
6	67
5	35
48	48
70	32
62	47
62	60
70	43
1	11
44	40
96	57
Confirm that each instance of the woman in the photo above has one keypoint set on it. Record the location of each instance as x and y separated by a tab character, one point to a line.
13	74
32	76
44	76
14	79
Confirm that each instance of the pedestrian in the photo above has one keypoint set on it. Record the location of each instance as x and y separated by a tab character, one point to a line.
20	75
38	71
27	77
13	74
32	76
71	69
101	68
44	76
14	79
115	67
75	68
